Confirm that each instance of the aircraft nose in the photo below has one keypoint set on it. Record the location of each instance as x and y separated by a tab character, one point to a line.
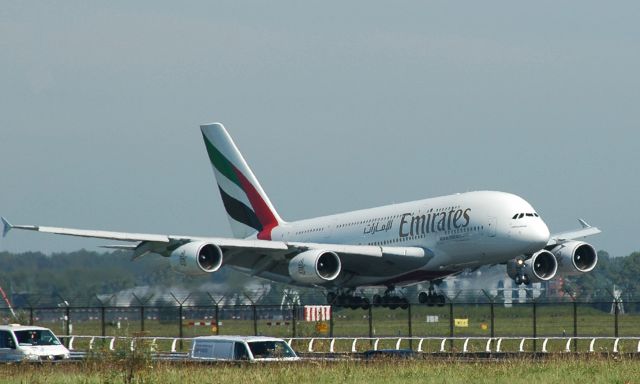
533	237
538	234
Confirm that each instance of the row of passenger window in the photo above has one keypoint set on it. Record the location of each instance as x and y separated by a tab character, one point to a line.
401	239
309	231
393	217
367	221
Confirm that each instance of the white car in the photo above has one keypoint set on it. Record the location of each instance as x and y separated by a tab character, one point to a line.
30	343
241	348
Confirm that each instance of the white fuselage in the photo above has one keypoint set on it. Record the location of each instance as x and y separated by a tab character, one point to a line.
458	231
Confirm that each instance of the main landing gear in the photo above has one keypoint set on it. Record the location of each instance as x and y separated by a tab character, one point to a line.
348	299
431	298
389	300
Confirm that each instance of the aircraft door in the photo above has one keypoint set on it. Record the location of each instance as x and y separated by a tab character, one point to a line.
491	227
327	233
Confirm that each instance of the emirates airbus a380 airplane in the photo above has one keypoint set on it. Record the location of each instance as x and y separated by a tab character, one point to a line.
388	246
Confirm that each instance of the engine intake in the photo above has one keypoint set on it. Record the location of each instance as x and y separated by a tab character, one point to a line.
541	266
575	257
196	258
315	267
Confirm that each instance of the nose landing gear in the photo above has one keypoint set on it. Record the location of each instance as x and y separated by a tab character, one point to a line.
522	279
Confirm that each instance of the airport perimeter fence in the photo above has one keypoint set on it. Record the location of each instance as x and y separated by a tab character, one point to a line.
612	318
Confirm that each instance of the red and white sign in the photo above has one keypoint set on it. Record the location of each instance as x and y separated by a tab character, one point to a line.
317	312
201	323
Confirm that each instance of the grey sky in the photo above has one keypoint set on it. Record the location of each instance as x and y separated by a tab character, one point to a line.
335	106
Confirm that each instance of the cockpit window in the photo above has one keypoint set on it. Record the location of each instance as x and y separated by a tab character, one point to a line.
521	215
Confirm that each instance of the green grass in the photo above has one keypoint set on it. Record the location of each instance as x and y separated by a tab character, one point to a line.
565	370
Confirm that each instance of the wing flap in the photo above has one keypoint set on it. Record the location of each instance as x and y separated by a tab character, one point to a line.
363	250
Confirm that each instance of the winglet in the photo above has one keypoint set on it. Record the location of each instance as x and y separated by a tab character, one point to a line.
584	223
7	226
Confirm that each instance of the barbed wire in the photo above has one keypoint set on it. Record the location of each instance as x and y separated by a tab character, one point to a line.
147	297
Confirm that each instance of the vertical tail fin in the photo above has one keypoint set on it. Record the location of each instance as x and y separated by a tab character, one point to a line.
247	205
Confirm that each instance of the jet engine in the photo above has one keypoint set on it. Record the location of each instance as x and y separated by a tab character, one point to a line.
315	267
575	257
196	258
541	266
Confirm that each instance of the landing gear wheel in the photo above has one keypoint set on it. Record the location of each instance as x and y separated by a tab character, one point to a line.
348	300
394	302
404	303
431	298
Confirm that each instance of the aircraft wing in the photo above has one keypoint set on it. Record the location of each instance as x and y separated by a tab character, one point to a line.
563	237
255	255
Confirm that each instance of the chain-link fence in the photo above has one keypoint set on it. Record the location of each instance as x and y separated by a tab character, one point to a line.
197	314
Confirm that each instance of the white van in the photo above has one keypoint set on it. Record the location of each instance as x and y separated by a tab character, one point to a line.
30	343
241	348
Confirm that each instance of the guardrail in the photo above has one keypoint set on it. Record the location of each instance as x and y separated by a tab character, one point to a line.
446	344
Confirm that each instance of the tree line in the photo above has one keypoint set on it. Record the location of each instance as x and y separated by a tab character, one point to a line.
82	273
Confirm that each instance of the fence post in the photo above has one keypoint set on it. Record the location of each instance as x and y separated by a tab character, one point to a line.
493	334
67	315
142	302
331	321
217	319
180	323
217	310
255	319
410	326
294	312
616	313
492	314
142	318
370	322
575	325
103	318
451	323
102	321
451	320
180	314
30	315
535	318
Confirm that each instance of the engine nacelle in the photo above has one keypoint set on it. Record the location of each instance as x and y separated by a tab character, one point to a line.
541	266
575	257
196	258
315	267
